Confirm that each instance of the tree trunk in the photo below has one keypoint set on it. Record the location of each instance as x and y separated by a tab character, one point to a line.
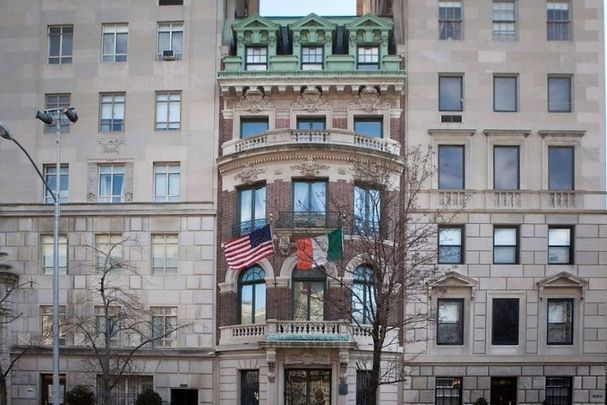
106	393
3	393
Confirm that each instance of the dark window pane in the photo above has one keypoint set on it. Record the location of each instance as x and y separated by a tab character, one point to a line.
450	322
249	387
451	167
363	383
372	127
560	322
558	390
506	167
170	2
311	123
559	94
252	127
450	93
448	391
505	321
504	94
560	167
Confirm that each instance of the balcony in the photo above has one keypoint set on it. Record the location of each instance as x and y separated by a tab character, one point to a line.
308	220
245	227
297	137
303	333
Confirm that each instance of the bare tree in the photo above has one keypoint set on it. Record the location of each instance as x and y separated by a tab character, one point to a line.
394	241
119	325
9	286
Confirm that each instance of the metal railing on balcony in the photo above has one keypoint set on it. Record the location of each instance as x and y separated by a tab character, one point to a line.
245	227
309	219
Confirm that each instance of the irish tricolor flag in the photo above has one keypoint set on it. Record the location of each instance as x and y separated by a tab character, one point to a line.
314	252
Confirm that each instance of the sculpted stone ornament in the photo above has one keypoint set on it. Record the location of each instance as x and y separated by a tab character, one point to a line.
284	245
111	146
368	99
311	99
91	197
249	174
254	100
310	167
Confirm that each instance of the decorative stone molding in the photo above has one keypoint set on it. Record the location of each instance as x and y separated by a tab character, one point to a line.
344	358
249	174
561	133
111	146
254	100
310	167
91	197
284	245
507	132
451	280
311	99
368	99
271	360
563	280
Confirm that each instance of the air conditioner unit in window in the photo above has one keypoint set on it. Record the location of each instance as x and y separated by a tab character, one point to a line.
168	55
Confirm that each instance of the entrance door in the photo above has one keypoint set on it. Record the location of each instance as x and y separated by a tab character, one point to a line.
184	396
503	390
307	387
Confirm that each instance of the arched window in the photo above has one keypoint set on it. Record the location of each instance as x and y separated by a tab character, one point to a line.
252	295
308	294
363	295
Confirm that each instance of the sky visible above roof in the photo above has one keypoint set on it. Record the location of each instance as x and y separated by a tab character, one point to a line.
272	8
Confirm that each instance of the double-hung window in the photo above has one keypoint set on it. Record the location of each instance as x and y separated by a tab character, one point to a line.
367	210
372	127
170	39
60	39
309	203
253	126
505	245
368	58
448	391
559	390
164	253
164	323
166	182
504	19
168	110
48	255
450	93
252	209
46	320
560	245
311	58
559	93
561	168
506	167
256	58
114	42
558	20
109	251
451	167
111	117
54	102
50	175
505	322
450	244
111	183
450	19
505	97
560	321
450	321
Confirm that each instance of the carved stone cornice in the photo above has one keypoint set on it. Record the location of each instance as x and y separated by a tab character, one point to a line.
254	100
249	174
311	99
310	167
368	99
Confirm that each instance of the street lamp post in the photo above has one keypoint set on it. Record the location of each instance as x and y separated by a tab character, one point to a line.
49	117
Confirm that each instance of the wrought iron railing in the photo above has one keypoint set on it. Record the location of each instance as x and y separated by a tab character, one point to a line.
244	227
309	219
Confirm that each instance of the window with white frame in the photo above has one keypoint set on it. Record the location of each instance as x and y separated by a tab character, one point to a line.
111	183
170	38
60	41
111	115
164	323
54	102
168	110
114	42
368	57
312	57
166	182
50	175
252	209
504	19
558	21
109	251
46	325
164	253
256	58
47	243
107	324
450	19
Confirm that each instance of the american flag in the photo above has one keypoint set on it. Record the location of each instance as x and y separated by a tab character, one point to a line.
247	250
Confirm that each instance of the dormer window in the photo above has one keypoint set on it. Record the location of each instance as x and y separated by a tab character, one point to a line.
368	58
311	58
256	58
